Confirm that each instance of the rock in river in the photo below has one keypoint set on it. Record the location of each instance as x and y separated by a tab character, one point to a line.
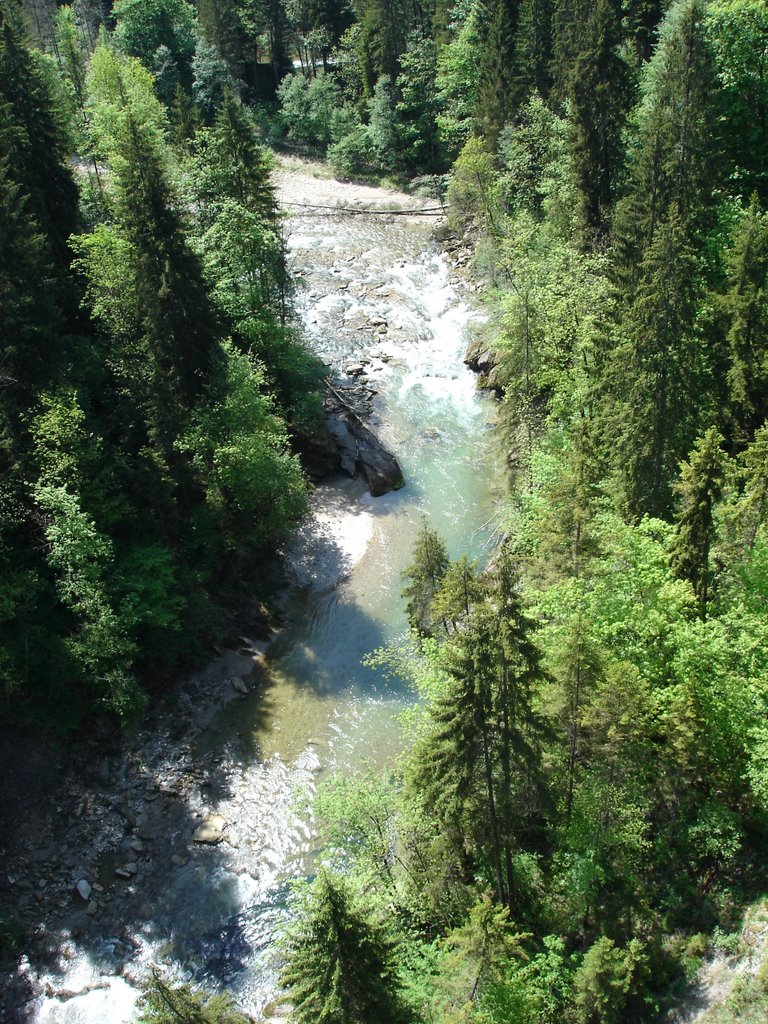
360	451
211	830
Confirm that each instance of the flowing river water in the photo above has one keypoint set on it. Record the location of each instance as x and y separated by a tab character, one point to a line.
371	288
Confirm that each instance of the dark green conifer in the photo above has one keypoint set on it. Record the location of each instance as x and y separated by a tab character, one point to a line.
745	308
340	963
37	153
676	163
426	572
699	488
480	768
653	386
498	96
599	93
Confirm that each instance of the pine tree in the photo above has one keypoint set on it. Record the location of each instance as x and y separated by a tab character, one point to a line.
231	164
178	333
340	963
161	1003
459	590
643	17
652	388
385	25
37	155
220	25
498	96
699	488
599	93
533	50
570	19
426	572
480	768
745	308
753	504
30	322
676	164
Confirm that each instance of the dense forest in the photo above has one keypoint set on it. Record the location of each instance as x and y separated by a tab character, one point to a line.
582	811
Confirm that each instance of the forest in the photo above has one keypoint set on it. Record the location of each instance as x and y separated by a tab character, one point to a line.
581	813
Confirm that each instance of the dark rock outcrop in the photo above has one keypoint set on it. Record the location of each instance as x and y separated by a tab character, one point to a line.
486	362
360	451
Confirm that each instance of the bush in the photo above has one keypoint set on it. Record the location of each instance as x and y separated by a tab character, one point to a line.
308	108
352	155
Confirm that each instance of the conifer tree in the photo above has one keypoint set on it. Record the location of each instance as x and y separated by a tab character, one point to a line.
753	504
699	488
533	50
220	25
425	574
599	94
570	19
643	17
340	963
161	1003
37	146
177	330
675	163
30	322
745	306
385	25
498	97
652	387
459	590
480	768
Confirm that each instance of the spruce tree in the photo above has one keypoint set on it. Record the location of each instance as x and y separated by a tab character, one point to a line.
498	96
177	332
30	321
480	767
533	50
599	93
220	25
745	309
162	1003
643	17
340	965
675	163
699	488
652	388
426	572
37	152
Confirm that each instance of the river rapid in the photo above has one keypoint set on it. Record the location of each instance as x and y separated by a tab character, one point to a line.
375	293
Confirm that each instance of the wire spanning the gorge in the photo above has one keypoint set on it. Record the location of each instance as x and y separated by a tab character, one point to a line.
426	211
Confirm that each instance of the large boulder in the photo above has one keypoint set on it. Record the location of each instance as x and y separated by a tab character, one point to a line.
360	451
479	357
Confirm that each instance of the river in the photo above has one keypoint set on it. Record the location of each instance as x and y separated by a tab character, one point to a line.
375	289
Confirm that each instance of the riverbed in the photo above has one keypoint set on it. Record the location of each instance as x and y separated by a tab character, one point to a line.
383	305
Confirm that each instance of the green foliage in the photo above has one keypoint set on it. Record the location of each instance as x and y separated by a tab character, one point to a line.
253	485
737	33
307	107
425	575
161	1003
340	962
608	981
699	487
161	33
457	79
